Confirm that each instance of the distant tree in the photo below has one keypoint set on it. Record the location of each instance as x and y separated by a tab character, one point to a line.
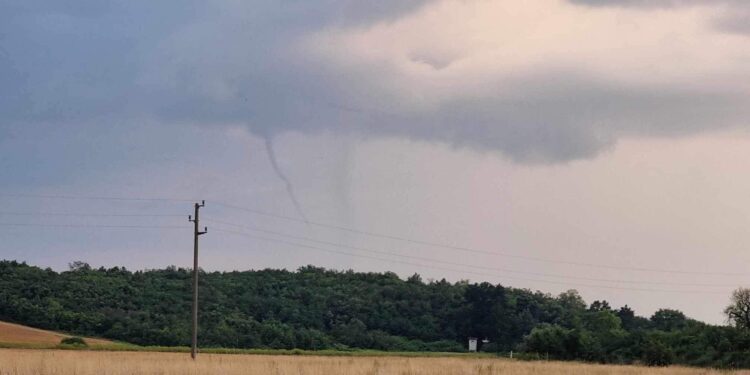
415	279
548	339
627	316
668	320
600	306
656	353
738	311
353	333
561	343
79	266
601	321
631	321
485	315
572	300
573	306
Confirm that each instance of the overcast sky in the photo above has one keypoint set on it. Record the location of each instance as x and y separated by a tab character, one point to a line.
601	145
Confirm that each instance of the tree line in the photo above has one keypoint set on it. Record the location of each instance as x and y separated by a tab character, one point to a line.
314	308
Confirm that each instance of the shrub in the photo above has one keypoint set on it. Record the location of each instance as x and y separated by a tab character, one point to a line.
491	347
656	353
444	346
75	341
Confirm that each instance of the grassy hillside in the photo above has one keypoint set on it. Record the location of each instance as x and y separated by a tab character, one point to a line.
11	333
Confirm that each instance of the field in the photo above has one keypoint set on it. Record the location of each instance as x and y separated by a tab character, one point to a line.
38	358
63	362
18	334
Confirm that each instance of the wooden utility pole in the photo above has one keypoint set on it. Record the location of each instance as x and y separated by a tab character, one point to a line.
196	233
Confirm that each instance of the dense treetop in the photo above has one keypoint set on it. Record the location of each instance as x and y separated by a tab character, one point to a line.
315	308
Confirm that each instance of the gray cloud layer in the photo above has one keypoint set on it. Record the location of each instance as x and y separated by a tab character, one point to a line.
222	62
657	3
734	19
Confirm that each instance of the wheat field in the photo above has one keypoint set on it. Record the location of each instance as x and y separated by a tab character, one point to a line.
60	362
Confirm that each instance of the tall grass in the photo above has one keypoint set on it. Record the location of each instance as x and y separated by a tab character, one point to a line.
124	347
60	362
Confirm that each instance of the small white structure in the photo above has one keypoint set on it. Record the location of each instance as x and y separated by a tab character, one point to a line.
472	344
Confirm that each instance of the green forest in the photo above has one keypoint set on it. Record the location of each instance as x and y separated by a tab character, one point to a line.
314	308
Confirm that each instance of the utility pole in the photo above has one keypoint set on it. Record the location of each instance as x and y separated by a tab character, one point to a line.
196	233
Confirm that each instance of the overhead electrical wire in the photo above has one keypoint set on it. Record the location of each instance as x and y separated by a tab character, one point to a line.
295	244
85	197
350	230
390	253
94	226
477	251
81	214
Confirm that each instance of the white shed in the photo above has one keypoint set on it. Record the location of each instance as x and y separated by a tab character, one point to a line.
472	344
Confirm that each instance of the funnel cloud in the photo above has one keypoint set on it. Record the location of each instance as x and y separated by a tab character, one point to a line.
287	183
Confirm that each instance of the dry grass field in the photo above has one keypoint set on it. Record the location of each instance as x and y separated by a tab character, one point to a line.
18	334
61	362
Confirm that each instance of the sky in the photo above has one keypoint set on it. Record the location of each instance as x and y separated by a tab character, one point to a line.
593	145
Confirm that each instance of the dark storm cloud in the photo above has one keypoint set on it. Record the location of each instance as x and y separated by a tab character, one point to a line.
223	62
84	58
565	115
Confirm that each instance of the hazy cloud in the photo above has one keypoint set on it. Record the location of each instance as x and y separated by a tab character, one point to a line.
656	3
737	22
733	18
383	69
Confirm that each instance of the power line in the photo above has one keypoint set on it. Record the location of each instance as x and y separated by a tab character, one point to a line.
83	197
477	251
93	226
254	229
86	214
290	243
369	233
